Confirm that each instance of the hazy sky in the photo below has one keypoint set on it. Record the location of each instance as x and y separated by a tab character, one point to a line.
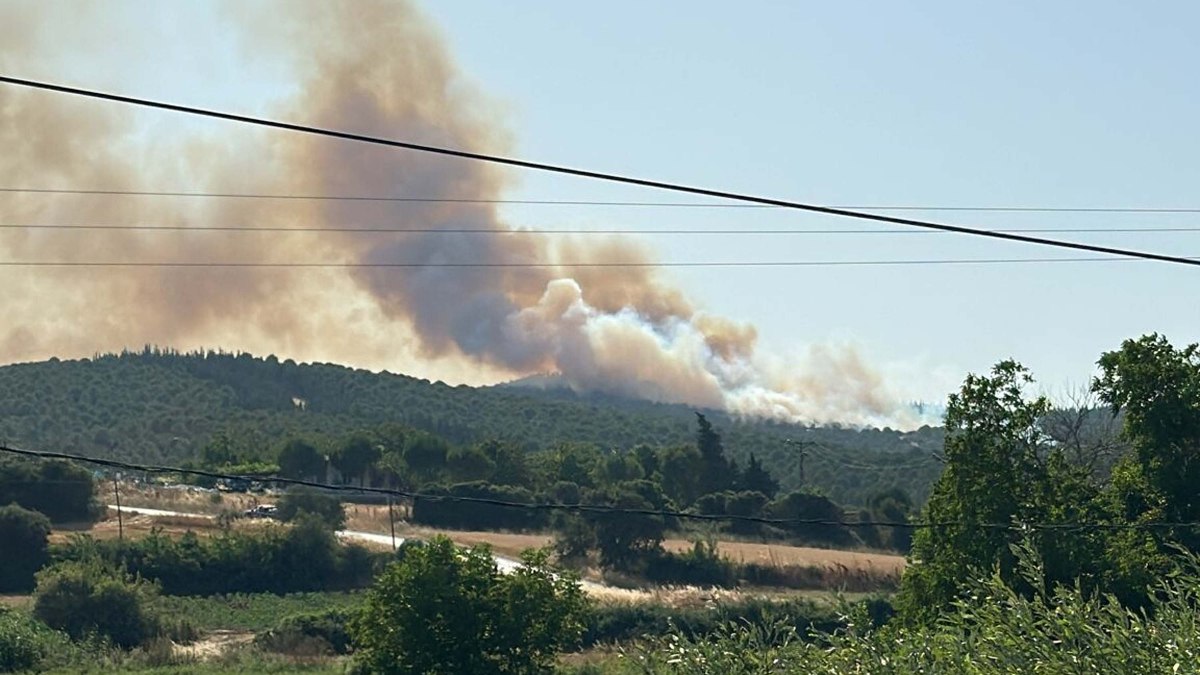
1088	104
1067	104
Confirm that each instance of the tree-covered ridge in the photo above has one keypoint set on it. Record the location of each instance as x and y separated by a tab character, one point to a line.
163	406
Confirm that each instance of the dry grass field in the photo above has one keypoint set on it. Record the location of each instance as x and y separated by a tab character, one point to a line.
184	499
782	554
374	518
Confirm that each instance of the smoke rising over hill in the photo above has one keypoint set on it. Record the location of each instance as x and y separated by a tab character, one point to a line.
375	68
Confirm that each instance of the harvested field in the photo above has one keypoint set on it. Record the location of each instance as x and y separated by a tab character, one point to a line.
782	555
136	526
375	519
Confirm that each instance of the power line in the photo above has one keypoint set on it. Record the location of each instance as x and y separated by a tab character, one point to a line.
557	265
459	230
586	508
596	175
590	202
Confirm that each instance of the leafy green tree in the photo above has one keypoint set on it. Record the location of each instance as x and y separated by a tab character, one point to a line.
1158	388
647	457
574	539
299	459
478	505
356	456
681	470
60	490
999	471
618	468
445	610
307	555
26	547
747	504
512	463
892	506
757	479
299	501
470	464
806	506
625	539
86	598
577	463
427	457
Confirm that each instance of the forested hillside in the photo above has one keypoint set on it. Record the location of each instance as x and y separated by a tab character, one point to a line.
161	406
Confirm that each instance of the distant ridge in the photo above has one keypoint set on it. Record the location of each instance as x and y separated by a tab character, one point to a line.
164	406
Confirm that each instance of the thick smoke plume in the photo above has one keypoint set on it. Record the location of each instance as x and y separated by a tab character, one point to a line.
374	68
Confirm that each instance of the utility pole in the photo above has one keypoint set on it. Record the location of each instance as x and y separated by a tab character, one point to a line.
803	453
392	523
120	519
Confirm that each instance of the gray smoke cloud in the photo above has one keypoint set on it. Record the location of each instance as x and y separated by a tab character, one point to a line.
375	68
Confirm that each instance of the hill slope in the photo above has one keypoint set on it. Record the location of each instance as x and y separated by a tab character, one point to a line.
164	407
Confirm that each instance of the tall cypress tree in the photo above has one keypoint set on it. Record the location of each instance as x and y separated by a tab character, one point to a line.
715	475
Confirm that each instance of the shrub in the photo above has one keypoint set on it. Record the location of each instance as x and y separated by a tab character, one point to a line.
24	643
446	610
86	598
63	491
701	566
623	622
301	501
26	547
309	634
304	557
989	629
455	514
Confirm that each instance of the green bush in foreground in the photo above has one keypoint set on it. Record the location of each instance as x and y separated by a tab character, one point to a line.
87	599
448	610
991	629
25	643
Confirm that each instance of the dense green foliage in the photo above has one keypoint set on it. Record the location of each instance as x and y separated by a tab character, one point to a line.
626	622
303	557
298	502
324	632
26	548
62	491
25	642
989	629
252	611
442	609
1000	470
1003	469
216	408
85	599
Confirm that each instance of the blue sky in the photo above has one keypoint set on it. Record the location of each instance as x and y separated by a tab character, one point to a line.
934	103
1089	104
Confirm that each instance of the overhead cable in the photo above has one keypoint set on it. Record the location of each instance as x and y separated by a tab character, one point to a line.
596	175
586	508
554	265
591	202
369	229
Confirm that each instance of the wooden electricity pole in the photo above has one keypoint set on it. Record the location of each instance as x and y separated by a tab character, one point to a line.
803	453
120	518
392	523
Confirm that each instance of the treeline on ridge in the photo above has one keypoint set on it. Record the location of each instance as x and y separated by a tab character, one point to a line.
165	407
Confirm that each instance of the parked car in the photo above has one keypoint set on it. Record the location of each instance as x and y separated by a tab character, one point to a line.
260	511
